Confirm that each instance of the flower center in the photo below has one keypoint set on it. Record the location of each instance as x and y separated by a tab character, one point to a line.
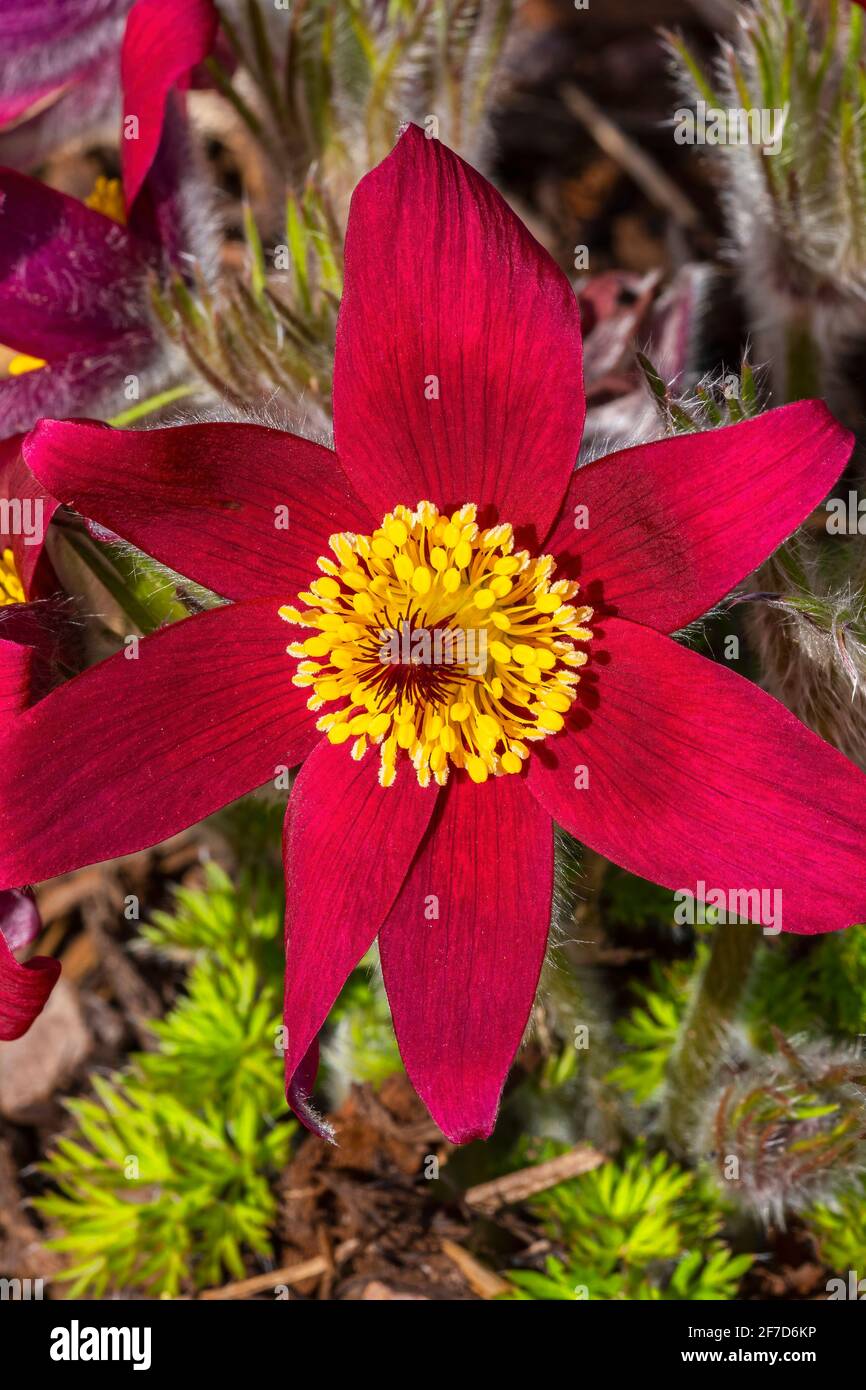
439	643
11	588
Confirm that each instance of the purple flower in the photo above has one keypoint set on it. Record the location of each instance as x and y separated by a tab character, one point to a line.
74	300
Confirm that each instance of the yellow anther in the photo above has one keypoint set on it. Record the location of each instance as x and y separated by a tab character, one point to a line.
11	588
523	655
405	735
22	363
326	587
463	554
421	580
107	198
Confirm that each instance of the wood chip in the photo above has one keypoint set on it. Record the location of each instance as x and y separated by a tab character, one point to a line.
288	1274
516	1187
480	1279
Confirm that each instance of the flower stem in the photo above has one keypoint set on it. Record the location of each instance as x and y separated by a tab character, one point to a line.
802	363
694	1063
151	404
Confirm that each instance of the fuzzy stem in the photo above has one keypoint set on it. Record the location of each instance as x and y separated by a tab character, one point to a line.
713	1008
802	363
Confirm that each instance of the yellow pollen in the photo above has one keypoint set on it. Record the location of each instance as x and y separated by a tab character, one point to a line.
440	644
107	198
22	362
11	588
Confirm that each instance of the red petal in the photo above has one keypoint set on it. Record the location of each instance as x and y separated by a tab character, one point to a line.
444	281
461	985
695	775
204	498
15	674
135	750
49	240
348	844
674	526
164	40
24	989
20	922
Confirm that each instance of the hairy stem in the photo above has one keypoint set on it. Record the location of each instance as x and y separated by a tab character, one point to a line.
713	1008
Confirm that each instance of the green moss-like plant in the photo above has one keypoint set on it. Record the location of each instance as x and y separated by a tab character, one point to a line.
163	1182
641	1229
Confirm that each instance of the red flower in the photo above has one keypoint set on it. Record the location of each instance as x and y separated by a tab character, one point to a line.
74	283
78	51
458	380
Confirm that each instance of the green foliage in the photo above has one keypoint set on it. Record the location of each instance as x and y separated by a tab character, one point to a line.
787	57
635	902
840	1228
649	1033
270	330
640	1229
361	1046
840	981
334	80
163	1181
158	1195
333	83
716	401
819	990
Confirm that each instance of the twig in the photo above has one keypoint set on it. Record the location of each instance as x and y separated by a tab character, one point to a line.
516	1187
289	1274
646	173
480	1279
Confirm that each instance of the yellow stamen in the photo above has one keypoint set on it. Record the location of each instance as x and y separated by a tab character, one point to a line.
107	198
11	588
440	644
22	362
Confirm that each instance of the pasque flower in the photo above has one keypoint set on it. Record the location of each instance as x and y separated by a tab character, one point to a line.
60	65
74	297
59	72
423	812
